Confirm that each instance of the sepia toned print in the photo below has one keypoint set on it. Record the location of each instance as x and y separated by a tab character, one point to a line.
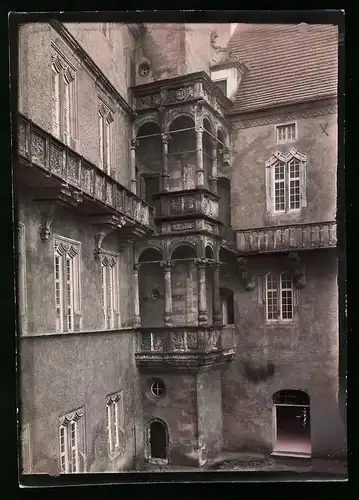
177	248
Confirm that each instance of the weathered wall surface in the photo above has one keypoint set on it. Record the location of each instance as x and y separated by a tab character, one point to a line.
305	355
40	280
253	146
178	409
35	91
209	401
64	372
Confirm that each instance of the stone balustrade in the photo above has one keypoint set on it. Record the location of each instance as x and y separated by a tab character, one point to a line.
286	238
39	148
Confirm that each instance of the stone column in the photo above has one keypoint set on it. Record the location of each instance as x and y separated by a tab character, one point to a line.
168	293
217	310
134	143
199	148
165	175
202	299
214	173
136	297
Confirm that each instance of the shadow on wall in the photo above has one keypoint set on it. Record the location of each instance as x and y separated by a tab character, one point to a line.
256	372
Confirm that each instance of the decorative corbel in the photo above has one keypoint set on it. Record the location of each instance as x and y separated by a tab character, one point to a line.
297	270
105	225
226	156
47	209
244	274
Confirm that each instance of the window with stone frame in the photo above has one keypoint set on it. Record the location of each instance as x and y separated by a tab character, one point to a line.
110	290
72	442
285	176
286	133
106	119
115	423
67	255
26	455
279	297
63	98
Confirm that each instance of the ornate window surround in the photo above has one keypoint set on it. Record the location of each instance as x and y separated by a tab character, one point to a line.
115	415
277	276
110	276
66	250
270	181
106	123
72	456
64	75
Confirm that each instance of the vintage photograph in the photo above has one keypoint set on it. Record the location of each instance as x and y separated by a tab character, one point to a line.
177	248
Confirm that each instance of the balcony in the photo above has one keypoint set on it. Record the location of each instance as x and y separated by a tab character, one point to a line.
192	203
189	348
287	238
59	167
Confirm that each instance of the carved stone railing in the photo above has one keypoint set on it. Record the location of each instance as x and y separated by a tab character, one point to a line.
286	238
184	347
194	202
39	148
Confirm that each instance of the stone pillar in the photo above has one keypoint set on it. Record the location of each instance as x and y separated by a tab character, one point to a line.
202	299
165	175
134	143
214	174
136	297
199	148
168	293
217	310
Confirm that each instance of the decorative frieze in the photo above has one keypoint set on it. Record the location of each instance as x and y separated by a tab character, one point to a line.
181	94
268	120
286	238
148	101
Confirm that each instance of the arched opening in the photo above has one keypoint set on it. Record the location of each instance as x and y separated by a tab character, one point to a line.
149	161
182	154
151	288
184	286
291	418
158	440
207	151
227	305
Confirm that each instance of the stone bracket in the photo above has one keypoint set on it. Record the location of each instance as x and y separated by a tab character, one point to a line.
105	224
63	195
297	269
245	274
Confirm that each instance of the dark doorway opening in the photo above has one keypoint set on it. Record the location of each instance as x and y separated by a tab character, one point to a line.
158	440
292	423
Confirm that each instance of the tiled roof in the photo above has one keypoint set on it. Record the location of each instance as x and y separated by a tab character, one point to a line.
286	63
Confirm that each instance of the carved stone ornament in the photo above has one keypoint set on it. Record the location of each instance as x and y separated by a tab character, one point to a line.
219	54
105	226
245	275
226	157
47	213
297	269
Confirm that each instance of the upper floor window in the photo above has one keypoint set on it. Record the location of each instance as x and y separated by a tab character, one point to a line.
286	133
72	442
63	99
105	125
115	422
110	291
279	297
222	84
67	284
286	182
26	450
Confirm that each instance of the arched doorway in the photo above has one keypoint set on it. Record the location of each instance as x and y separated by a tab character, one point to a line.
158	440
291	415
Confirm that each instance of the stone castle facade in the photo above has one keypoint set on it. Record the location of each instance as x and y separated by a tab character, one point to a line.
177	247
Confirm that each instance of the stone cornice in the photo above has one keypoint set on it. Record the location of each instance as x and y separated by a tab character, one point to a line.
91	65
284	113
